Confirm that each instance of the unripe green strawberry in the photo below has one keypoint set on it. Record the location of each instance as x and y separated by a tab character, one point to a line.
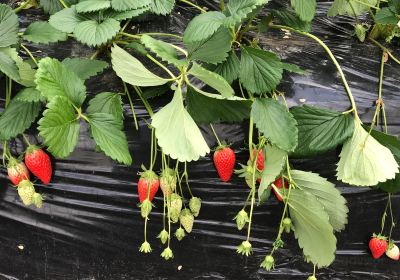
241	219
163	236
287	224
312	277
195	205
145	208
245	248
268	263
26	191
37	200
175	207
187	220
168	181
145	247
167	254
180	234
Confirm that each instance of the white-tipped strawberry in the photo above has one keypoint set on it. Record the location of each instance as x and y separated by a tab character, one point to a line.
393	252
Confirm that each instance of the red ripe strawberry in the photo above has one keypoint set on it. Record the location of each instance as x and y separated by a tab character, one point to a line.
147	178
260	159
38	162
377	245
224	161
17	171
279	184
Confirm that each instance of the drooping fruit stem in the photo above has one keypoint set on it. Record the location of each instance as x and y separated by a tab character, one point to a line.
193	5
131	105
215	134
186	175
30	54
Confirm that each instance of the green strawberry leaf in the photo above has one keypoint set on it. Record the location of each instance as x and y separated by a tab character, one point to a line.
59	127
390	186
364	161
18	117
162	7
274	163
275	122
163	50
212	50
25	76
203	26
350	7
333	202
238	10
229	69
128	14
108	134
386	16
8	65
312	228
8	26
54	79
212	79
132	71
305	9
320	130
289	18
53	6
29	95
125	5
261	71
85	68
93	33
212	108
177	133
92	5
66	20
109	103
42	32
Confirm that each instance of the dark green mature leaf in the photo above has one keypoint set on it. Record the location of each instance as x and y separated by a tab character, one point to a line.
229	69
177	133
212	79
53	6
162	7
92	5
42	32
213	49
125	5
203	26
289	18
208	108
261	71
151	92
312	228
238	10
163	50
132	71
274	163
109	103
85	68
8	65
350	7
54	79
386	16
331	199
320	130
129	14
18	117
93	33
305	9
293	68
59	127
275	122
66	20
8	26
29	95
390	186
107	133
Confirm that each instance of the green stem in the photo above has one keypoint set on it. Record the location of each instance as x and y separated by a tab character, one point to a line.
26	139
151	149
391	215
18	9
332	57
251	137
165	204
169	220
187	180
95	54
8	90
64	4
162	66
194	5
247	200
145	103
131	105
130	35
379	102
221	5
385	50
216	136
30	54
383	220
162	34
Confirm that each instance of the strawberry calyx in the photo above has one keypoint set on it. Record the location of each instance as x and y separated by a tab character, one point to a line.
25	183
31	149
379	236
12	162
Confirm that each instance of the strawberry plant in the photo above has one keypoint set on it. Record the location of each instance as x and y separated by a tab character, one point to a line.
216	71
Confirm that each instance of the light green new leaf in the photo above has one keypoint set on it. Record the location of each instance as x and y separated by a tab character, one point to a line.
305	9
274	162
109	103
8	65
163	50
238	10
93	33
54	79
275	122
320	130
42	32
59	127
53	6
125	5
29	95
229	69
312	228
85	68
212	79
203	26
208	108
107	133
18	117
331	199
92	5
212	50
177	133
132	71
26	75
66	20
162	7
261	71
350	7
364	161
8	26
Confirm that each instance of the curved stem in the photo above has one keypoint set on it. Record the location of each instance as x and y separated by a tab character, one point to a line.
162	34
145	103
131	105
130	35
216	136
161	65
30	54
379	102
383	220
332	57
18	9
286	201
194	5
385	49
